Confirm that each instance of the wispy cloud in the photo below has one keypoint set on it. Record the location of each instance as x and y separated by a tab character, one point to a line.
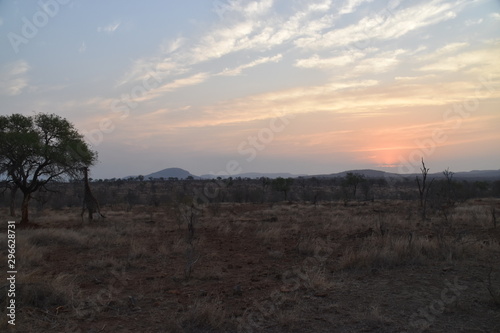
495	16
13	78
248	9
473	22
82	48
480	62
260	61
312	28
192	80
184	82
443	51
356	63
351	5
172	46
415	78
110	28
366	98
248	26
333	62
379	63
380	26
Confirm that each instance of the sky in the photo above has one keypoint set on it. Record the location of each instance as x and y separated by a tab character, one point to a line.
235	86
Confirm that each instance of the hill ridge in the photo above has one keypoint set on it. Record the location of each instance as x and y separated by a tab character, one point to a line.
176	172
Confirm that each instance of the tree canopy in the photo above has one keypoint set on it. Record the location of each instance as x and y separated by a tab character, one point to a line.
283	185
38	149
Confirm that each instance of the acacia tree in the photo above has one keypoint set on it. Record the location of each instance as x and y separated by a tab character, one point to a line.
351	182
38	149
281	184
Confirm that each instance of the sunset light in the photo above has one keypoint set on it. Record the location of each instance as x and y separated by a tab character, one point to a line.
304	87
250	165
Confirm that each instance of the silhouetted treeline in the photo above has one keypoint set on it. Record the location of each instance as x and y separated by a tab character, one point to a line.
168	192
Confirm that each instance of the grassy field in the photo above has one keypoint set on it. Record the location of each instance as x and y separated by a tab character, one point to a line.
372	266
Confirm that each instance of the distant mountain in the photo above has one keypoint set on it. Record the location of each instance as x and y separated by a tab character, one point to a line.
474	175
368	173
467	175
168	173
171	172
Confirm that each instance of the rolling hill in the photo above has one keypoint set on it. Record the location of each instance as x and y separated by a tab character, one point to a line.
368	173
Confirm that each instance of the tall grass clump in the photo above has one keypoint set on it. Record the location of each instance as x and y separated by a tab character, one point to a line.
58	237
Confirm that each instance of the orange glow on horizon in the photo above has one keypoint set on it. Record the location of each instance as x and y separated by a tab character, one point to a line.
384	157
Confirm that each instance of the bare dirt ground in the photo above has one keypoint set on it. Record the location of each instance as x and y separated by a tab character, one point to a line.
288	267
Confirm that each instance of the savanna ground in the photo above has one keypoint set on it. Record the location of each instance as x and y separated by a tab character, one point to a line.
269	267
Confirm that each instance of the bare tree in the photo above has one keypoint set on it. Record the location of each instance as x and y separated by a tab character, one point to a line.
423	188
450	191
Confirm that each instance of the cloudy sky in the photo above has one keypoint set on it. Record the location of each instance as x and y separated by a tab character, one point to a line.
228	86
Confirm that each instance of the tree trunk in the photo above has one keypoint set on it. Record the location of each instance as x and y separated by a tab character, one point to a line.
24	208
13	192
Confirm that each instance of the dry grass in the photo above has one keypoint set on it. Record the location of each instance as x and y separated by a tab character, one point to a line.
390	251
49	295
56	237
138	249
204	315
31	256
132	265
412	249
104	263
269	233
